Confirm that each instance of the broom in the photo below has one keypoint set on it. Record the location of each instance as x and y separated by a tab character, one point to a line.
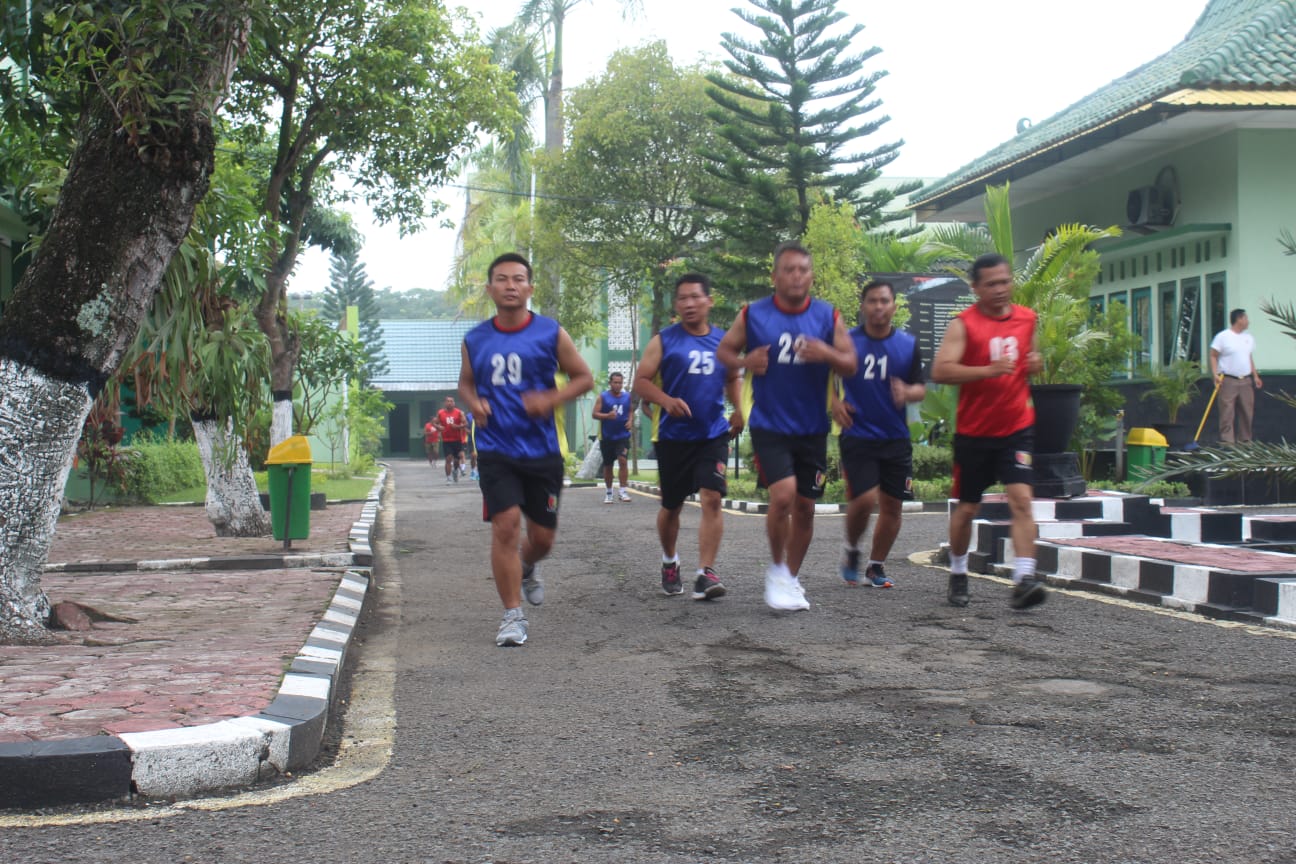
1193	445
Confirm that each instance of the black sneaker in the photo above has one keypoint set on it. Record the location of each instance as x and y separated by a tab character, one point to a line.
707	586
958	589
671	584
1028	592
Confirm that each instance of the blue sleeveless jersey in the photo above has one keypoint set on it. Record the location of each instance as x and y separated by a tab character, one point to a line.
690	371
791	398
614	430
505	364
876	417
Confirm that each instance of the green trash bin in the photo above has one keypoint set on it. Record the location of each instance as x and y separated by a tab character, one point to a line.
288	467
1147	449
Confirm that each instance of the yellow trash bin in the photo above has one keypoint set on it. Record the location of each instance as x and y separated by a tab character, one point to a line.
1147	449
288	467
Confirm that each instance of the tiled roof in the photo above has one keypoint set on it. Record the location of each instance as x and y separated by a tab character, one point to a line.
422	355
1235	44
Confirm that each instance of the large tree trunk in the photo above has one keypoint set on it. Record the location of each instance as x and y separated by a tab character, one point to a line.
33	473
124	208
233	503
285	346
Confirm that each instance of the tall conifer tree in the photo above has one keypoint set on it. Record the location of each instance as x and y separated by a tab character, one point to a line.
792	110
349	285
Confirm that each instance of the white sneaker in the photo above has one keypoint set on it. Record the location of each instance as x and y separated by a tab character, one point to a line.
783	591
625	496
607	499
512	630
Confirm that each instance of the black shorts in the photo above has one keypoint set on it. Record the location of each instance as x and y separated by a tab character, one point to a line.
535	485
452	448
888	464
979	462
613	450
780	456
684	467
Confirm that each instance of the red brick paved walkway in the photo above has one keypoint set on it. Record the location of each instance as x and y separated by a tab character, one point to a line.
1215	557
200	646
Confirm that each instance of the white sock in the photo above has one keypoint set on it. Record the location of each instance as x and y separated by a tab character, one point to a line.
958	563
873	561
674	559
1023	568
848	547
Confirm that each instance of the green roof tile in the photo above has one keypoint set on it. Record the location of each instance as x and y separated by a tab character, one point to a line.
1235	44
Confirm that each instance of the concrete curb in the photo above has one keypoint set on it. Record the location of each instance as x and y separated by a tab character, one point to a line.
284	736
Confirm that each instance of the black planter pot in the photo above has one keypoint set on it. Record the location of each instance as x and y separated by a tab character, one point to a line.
1057	410
1177	435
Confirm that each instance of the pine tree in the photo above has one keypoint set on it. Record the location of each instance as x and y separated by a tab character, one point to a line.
349	285
791	110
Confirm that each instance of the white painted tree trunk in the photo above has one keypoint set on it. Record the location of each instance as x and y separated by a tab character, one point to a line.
281	421
40	423
233	503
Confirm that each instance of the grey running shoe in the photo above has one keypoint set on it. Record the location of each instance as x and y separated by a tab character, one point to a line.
512	630
958	589
877	577
625	497
1028	592
708	585
532	587
671	584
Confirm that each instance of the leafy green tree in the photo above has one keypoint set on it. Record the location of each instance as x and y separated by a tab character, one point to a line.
349	285
137	85
621	197
793	111
385	94
329	359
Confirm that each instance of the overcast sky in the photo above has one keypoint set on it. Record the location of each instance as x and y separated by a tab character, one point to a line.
960	76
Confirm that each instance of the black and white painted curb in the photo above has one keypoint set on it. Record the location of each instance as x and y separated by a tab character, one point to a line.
189	761
1156	577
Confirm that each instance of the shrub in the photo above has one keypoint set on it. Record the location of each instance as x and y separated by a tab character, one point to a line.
1151	488
935	489
161	467
931	463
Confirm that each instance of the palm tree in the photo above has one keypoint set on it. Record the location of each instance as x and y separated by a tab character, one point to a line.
547	18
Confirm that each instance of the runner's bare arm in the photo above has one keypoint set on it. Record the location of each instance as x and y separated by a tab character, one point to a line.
468	390
646	388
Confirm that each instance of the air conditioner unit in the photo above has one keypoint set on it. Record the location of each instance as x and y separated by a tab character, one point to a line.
1147	205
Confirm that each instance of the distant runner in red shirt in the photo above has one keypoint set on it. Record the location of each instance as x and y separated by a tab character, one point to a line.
431	437
989	351
454	431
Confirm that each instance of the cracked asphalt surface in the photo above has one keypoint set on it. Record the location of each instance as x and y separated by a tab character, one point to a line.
881	725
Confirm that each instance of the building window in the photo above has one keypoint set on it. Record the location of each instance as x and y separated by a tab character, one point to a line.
1188	329
1167	319
1217	297
1141	326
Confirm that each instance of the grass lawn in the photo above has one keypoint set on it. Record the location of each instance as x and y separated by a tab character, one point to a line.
332	487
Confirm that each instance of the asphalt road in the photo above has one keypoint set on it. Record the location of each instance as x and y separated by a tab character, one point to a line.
878	726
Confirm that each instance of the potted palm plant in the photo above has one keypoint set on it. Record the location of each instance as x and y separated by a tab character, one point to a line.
1174	386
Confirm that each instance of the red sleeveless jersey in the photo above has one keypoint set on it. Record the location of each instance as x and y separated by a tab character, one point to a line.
996	407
